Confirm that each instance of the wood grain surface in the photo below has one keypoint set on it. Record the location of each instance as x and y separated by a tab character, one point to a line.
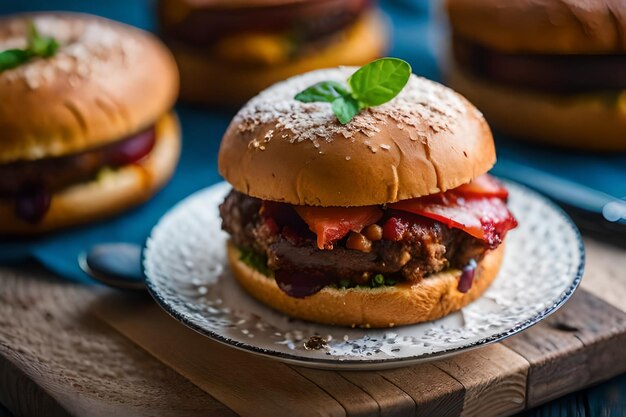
56	358
62	353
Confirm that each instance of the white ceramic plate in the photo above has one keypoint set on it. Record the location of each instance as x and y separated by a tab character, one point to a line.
187	274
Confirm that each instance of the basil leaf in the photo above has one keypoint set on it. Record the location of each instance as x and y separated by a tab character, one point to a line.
44	47
12	58
325	91
40	45
372	85
345	108
379	81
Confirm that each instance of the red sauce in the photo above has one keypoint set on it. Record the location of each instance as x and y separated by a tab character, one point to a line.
32	183
32	204
300	284
467	277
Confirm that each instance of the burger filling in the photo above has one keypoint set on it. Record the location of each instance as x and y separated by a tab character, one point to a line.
30	184
262	34
571	73
307	248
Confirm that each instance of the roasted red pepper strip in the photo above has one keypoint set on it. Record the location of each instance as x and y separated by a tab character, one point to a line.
333	223
485	218
478	208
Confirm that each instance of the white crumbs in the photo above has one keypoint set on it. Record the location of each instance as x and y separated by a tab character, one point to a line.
87	45
422	106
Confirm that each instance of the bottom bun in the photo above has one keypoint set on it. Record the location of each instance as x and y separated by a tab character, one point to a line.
110	194
584	121
209	80
432	298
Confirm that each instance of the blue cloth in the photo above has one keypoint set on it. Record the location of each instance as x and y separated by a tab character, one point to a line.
203	128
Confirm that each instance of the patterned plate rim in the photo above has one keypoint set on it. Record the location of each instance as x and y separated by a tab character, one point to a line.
362	363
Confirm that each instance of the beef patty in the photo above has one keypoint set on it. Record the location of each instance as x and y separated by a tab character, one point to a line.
426	246
563	74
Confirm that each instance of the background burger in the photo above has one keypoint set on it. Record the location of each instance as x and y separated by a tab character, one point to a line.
388	219
87	127
553	71
229	50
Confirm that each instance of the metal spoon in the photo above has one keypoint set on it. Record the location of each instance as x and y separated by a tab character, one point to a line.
114	264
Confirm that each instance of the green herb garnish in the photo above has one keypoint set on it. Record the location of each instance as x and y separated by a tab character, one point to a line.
344	283
377	281
256	260
371	85
38	46
390	281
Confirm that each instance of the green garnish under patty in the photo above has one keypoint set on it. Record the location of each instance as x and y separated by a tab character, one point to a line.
258	261
376	281
38	46
255	260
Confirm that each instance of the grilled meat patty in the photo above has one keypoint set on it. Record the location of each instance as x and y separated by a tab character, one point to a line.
426	246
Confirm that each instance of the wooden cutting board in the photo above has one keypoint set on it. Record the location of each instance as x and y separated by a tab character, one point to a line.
63	351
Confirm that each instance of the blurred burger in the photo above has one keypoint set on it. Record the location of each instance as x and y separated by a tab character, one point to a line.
554	71
229	50
386	220
86	120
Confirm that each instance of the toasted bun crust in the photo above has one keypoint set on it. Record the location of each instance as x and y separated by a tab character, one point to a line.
586	122
208	79
542	26
434	297
426	140
108	195
106	81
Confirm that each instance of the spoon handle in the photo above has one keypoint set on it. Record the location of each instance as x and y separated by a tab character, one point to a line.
117	265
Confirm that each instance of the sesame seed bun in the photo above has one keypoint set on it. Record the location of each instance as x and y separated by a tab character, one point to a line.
586	121
426	140
432	298
110	193
542	26
106	81
212	79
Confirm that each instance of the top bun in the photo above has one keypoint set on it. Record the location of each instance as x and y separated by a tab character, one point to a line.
426	140
106	81
542	26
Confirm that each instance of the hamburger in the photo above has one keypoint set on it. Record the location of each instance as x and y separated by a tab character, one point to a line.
383	220
552	71
229	50
86	116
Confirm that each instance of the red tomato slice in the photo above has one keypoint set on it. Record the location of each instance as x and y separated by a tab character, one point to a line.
487	219
333	223
483	186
